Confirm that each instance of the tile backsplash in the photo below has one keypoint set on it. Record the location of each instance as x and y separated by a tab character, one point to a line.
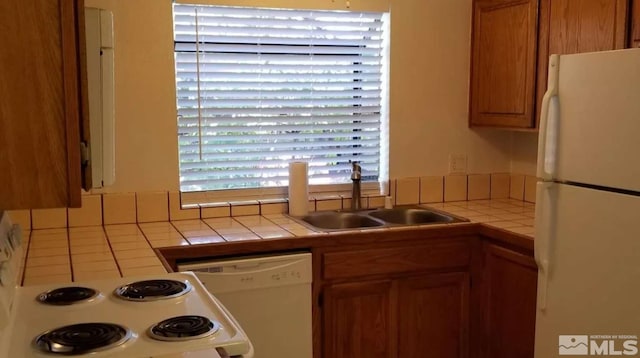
149	207
455	187
517	186
478	187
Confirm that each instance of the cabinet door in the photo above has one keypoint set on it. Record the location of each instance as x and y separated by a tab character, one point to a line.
508	303
576	26
503	63
634	39
40	104
433	316
358	320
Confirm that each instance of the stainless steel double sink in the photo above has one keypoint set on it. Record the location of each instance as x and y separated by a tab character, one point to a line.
398	216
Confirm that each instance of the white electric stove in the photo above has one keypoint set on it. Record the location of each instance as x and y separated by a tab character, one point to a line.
169	315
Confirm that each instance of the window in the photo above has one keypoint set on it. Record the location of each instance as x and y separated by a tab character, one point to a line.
258	88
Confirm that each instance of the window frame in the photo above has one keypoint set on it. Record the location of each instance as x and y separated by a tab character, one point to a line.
376	187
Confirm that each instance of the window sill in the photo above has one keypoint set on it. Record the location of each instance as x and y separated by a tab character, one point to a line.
317	202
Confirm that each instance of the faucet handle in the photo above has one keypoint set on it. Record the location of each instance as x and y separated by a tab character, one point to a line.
356	172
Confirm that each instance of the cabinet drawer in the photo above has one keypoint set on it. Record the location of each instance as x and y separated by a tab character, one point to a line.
388	260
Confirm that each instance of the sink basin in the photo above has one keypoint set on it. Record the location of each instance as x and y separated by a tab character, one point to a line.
399	216
410	216
332	220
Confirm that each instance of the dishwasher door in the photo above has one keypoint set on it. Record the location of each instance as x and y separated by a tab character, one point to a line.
269	296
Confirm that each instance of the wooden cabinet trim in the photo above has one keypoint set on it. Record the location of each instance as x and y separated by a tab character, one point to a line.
447	254
86	175
510	255
72	97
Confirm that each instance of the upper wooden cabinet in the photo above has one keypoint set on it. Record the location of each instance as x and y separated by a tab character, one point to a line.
575	26
41	103
634	39
512	41
503	66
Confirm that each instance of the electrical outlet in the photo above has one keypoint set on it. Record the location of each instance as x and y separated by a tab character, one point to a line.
457	164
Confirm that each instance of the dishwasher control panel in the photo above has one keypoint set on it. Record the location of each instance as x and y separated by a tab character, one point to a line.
252	273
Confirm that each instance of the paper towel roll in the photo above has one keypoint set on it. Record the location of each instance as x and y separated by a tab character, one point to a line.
298	189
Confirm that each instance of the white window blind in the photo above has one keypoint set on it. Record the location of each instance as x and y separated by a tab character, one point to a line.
258	88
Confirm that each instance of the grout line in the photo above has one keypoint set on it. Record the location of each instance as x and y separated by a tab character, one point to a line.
168	206
179	232
26	258
258	235
466	186
69	253
214	230
135	201
101	209
113	254
395	192
144	235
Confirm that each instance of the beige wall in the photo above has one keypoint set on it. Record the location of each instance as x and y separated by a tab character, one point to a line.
524	152
430	54
146	139
430	47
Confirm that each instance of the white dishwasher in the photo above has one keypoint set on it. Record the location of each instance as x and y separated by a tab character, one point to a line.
270	296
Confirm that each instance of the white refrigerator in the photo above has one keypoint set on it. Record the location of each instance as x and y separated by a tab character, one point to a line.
587	241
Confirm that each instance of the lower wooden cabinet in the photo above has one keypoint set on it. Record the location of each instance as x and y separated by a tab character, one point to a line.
433	316
412	317
358	320
508	303
457	297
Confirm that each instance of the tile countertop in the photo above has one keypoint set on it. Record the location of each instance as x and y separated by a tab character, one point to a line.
95	252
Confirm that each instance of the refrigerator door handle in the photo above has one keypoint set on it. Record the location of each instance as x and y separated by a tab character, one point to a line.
548	123
543	244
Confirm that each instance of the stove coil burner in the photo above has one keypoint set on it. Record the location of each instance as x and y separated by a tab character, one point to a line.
67	295
152	290
183	328
83	338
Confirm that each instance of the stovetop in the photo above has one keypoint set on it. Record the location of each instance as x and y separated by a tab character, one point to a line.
34	318
129	322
